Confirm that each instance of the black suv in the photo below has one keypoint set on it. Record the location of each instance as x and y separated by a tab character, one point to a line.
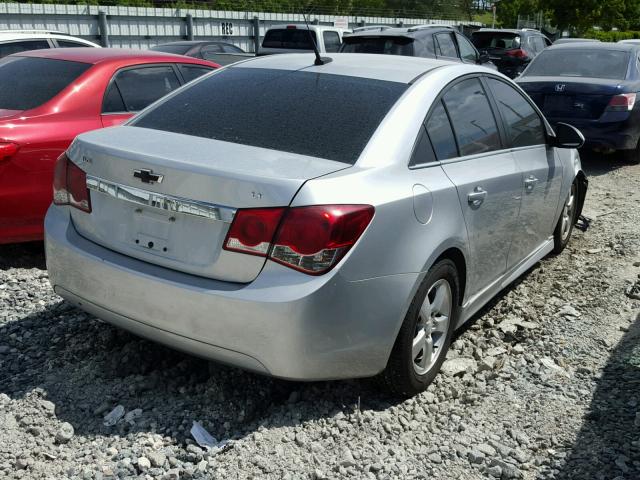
510	50
429	41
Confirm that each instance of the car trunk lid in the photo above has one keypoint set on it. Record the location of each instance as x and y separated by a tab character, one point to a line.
570	97
169	198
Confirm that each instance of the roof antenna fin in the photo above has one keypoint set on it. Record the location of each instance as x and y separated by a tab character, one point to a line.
319	60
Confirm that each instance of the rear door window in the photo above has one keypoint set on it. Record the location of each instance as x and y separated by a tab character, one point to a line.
10	48
524	126
290	38
142	86
441	133
467	52
315	114
209	52
231	49
191	72
41	79
423	151
70	44
447	48
472	118
331	41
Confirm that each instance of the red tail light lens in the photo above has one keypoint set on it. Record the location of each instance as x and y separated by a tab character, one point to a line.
310	239
70	185
252	230
314	239
622	103
517	53
7	149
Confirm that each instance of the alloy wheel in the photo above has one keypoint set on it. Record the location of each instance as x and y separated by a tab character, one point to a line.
567	214
432	327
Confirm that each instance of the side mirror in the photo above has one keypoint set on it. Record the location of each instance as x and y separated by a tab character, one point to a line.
484	58
568	136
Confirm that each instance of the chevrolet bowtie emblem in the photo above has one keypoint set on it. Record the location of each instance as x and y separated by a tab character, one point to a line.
147	176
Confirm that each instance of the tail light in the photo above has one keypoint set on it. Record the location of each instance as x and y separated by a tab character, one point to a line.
517	53
309	239
7	149
70	185
252	230
622	103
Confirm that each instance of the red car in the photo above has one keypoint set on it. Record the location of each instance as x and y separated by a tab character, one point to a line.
47	97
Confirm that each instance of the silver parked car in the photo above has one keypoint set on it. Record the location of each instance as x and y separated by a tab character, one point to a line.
314	222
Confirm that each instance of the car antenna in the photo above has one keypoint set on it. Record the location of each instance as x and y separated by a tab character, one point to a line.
319	60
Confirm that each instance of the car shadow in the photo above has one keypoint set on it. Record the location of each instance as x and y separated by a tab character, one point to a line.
86	368
608	444
596	164
22	255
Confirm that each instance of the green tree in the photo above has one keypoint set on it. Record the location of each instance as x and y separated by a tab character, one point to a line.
507	11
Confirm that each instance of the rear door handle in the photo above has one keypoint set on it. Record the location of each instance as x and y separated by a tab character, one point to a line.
530	182
476	197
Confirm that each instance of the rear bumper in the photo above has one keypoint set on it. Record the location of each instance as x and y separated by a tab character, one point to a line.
621	135
284	323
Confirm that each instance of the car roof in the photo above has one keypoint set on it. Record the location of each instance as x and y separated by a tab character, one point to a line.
194	42
509	30
102	55
8	35
392	68
407	32
302	26
627	47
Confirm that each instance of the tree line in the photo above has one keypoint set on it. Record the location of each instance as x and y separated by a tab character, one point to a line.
576	16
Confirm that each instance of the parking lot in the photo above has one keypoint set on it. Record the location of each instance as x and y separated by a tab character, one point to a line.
543	383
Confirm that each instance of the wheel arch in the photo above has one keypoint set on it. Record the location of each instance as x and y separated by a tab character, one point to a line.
457	257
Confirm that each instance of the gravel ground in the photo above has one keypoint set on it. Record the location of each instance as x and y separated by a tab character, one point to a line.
545	383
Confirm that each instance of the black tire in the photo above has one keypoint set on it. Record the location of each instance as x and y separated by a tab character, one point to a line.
633	156
560	241
400	377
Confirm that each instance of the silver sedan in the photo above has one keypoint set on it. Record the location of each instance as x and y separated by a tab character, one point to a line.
314	221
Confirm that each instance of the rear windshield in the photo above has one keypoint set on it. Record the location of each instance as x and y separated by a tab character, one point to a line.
35	81
385	45
497	40
610	64
169	48
315	114
295	39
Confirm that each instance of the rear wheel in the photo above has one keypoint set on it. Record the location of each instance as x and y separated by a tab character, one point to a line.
567	219
425	335
633	156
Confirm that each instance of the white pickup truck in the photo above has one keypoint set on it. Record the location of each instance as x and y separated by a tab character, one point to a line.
297	39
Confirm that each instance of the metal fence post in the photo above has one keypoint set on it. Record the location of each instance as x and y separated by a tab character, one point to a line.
189	20
256	34
103	28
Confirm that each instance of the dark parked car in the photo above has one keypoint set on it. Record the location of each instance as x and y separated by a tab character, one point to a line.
594	87
222	53
510	50
429	41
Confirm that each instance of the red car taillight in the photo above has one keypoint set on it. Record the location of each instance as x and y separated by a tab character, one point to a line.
70	185
252	230
622	103
309	239
7	149
517	53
